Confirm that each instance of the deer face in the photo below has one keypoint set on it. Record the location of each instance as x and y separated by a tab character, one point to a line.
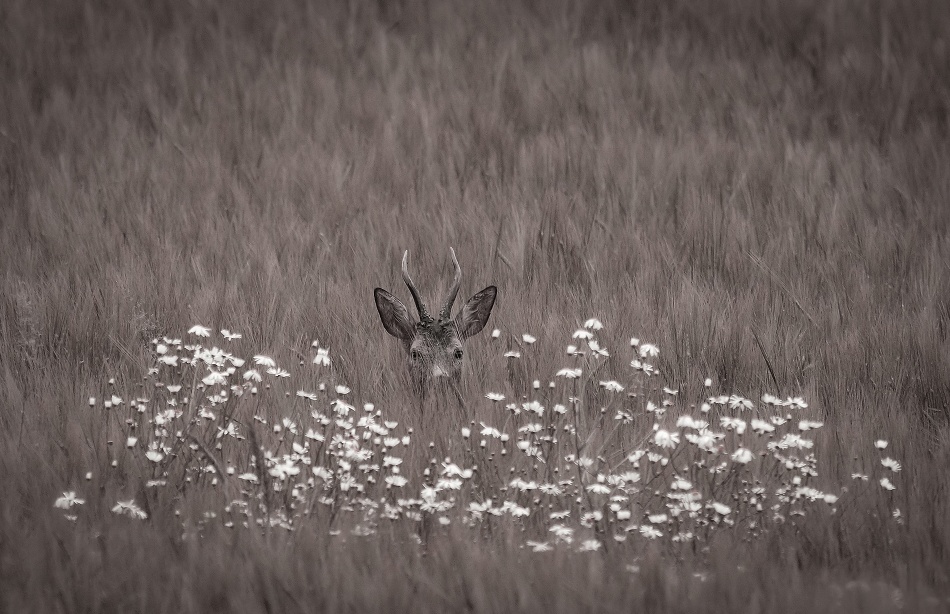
434	346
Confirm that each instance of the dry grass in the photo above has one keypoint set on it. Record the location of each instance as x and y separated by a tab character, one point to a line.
760	189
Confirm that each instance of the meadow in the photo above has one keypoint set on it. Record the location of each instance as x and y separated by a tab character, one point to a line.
716	377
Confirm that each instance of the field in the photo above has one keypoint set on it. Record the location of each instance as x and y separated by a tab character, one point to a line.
737	212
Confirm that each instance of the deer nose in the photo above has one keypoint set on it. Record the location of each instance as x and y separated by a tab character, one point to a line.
438	371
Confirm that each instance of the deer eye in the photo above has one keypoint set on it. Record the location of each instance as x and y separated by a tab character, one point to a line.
415	354
458	354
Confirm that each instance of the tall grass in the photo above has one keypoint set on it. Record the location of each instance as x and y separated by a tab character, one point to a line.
759	188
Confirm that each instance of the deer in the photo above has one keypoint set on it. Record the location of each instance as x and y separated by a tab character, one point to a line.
434	346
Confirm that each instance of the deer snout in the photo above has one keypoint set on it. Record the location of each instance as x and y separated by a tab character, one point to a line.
439	371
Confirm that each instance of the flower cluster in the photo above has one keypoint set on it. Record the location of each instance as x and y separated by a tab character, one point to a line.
585	463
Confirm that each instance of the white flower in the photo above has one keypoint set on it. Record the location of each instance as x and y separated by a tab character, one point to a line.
512	354
449	484
154	455
666	439
650	532
704	439
880	444
215	378
708	382
264	361
562	532
796	403
733	424
396	481
539	546
490	431
807	425
596	349
533	407
761	427
495	334
322	358
130	442
612	386
494	396
583	334
130	509
886	484
629	477
68	500
253	374
529	339
687	421
791	440
740	403
649	350
642	366
341	389
891	464
284	469
742	456
516	510
199	331
593	324
681	484
570	373
341	407
229	335
589	545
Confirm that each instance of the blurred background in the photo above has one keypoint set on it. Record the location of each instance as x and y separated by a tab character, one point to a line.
759	187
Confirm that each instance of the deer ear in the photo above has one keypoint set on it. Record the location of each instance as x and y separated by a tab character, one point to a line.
394	315
475	312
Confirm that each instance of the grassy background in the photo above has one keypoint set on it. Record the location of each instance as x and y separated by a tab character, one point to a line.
700	176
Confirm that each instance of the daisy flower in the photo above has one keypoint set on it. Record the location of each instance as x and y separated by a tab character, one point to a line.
130	509
322	358
200	331
68	500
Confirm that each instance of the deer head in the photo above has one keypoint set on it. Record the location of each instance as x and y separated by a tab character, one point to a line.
434	346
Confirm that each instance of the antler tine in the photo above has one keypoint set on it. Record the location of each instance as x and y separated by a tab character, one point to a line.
446	312
420	306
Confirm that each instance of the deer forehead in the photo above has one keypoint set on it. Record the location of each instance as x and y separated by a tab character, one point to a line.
437	336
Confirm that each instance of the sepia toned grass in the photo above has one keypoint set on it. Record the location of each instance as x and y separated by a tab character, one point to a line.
756	190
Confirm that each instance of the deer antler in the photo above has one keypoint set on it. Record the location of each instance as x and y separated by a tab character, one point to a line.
420	306
446	312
